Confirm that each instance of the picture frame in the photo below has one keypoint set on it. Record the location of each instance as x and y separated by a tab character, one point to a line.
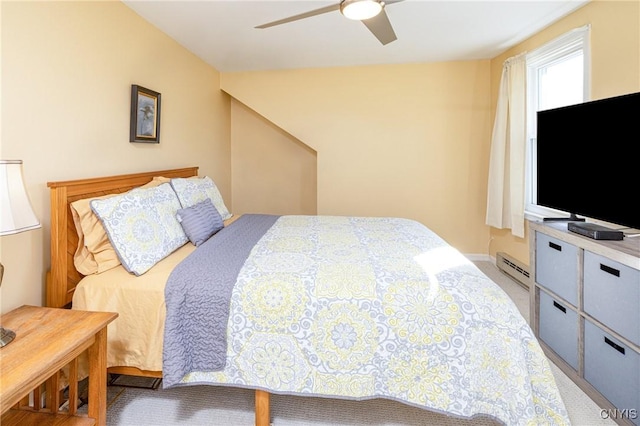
145	115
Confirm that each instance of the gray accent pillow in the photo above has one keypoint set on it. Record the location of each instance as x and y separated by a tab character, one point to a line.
200	221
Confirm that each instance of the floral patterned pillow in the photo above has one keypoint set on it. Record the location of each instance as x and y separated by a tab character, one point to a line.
142	225
191	191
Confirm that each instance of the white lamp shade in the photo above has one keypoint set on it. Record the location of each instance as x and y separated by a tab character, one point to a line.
360	10
16	214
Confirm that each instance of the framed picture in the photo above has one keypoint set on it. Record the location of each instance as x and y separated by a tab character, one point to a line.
145	115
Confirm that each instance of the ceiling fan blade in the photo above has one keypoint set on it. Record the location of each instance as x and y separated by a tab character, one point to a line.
302	16
380	26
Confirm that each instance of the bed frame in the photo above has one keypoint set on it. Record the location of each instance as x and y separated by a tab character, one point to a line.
63	278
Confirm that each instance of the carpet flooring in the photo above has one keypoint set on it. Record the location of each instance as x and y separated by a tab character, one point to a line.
211	405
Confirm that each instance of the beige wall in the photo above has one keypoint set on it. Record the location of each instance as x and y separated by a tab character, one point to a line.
391	140
67	70
377	130
615	70
398	140
271	171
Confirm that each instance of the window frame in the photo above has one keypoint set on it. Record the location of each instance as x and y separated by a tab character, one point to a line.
558	49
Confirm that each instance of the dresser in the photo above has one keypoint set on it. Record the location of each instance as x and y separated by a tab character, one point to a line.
585	311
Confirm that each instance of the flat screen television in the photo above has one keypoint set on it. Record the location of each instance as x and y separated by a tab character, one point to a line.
588	160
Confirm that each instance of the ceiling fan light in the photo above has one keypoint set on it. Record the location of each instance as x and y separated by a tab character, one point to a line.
359	10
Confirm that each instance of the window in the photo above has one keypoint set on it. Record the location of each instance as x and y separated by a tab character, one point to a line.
557	75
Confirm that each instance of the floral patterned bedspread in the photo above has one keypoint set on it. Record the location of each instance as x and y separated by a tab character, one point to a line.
360	308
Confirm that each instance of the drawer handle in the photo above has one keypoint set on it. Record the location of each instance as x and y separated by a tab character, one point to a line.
559	306
555	246
614	345
610	270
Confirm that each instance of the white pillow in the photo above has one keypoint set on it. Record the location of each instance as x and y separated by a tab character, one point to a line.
142	225
192	191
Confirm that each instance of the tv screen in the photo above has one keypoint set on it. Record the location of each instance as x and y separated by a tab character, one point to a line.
588	159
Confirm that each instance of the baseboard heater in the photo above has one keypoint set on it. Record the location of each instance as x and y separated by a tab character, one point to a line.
514	268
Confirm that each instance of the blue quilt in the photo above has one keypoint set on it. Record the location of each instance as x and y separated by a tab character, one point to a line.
197	296
359	308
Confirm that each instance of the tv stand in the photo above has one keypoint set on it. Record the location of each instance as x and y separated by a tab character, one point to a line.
584	311
572	218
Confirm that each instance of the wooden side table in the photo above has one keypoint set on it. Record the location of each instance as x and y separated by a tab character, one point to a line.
47	339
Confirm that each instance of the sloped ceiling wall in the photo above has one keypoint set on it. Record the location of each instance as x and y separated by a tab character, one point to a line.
271	171
392	140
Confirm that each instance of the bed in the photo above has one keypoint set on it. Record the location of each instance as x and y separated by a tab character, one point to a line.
325	306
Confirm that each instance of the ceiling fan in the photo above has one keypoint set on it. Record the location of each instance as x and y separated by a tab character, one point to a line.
370	12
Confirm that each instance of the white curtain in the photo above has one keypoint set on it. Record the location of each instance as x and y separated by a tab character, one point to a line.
505	198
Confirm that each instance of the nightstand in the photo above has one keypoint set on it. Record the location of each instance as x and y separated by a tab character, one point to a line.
47	339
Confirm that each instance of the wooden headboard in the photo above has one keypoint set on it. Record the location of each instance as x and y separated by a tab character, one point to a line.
63	278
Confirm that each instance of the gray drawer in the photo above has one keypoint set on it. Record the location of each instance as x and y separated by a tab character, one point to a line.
615	374
557	267
612	295
558	328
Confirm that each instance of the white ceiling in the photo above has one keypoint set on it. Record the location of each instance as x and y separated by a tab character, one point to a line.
222	32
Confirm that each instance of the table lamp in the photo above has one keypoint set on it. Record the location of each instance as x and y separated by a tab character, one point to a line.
16	215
